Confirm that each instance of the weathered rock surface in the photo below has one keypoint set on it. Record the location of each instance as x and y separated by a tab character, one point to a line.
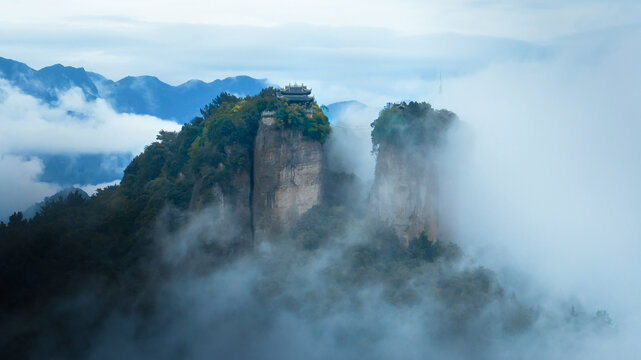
288	172
405	192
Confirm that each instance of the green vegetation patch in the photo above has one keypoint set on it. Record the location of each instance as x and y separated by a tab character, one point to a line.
110	234
410	123
310	120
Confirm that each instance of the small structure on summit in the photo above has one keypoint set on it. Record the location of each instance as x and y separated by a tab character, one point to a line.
296	93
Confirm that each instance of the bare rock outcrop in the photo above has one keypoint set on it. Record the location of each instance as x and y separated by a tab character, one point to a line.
405	193
287	182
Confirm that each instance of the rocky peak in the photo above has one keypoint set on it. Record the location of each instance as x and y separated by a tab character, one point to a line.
287	177
405	190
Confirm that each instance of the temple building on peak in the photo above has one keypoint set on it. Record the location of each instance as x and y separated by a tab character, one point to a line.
296	94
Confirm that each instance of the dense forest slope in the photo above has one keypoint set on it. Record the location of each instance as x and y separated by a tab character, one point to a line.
210	161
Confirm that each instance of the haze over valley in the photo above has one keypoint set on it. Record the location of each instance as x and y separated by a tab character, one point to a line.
441	180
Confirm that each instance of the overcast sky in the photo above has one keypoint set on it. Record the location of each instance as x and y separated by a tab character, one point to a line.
522	19
343	49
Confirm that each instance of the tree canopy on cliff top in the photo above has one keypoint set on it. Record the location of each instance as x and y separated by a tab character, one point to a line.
412	123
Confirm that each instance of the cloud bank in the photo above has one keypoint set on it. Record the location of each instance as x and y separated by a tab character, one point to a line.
545	176
72	126
283	301
19	183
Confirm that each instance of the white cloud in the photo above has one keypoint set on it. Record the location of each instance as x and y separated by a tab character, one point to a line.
548	179
73	125
19	187
349	147
91	188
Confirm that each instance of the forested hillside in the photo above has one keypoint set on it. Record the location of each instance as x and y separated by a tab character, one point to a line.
111	231
138	263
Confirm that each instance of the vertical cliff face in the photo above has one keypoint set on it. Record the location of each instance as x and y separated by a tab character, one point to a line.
287	177
405	190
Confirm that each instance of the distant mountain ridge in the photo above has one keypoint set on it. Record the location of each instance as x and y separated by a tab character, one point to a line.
144	95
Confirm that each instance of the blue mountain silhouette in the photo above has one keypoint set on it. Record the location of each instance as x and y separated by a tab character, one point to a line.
145	95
